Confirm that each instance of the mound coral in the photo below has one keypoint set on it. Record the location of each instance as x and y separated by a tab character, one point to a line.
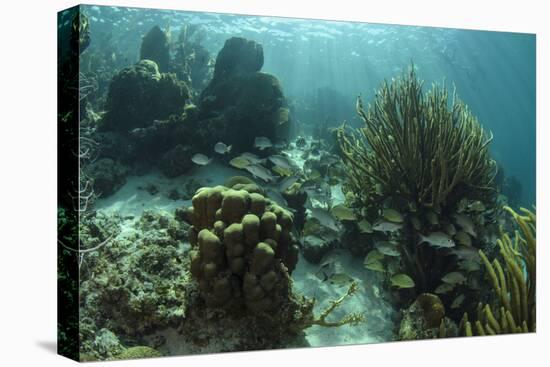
243	249
513	309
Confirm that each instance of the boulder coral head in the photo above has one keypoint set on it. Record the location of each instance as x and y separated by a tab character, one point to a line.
248	102
243	250
238	56
140	94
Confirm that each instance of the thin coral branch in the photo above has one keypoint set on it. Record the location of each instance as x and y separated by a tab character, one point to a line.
351	319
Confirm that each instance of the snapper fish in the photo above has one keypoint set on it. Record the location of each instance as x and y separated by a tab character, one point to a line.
287	182
201	159
261	142
342	212
340	279
387	226
251	157
277	197
458	301
437	239
222	148
454	278
466	223
325	218
281	161
260	172
239	162
388	248
392	215
364	226
402	281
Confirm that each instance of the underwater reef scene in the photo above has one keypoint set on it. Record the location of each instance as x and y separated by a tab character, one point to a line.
251	183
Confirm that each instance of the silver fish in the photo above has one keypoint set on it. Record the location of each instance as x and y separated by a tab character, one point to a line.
458	301
454	277
387	226
260	172
281	161
340	279
261	142
201	159
325	218
437	239
387	248
222	148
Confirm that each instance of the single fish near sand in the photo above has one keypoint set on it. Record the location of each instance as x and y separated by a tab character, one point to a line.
340	279
201	159
222	148
437	239
261	142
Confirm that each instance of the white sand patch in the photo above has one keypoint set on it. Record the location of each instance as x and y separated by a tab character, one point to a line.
367	300
132	198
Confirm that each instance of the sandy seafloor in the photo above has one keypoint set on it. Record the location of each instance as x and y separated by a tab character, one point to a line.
131	200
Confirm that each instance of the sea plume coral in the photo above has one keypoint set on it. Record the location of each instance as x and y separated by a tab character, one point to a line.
414	146
420	161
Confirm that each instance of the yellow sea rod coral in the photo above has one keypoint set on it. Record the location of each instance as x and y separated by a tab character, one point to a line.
513	279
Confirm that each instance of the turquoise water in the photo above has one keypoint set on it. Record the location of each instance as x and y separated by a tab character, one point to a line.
333	62
213	175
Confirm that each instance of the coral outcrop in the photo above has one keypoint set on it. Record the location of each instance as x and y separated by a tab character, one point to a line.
249	102
146	290
425	319
243	250
108	175
140	94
